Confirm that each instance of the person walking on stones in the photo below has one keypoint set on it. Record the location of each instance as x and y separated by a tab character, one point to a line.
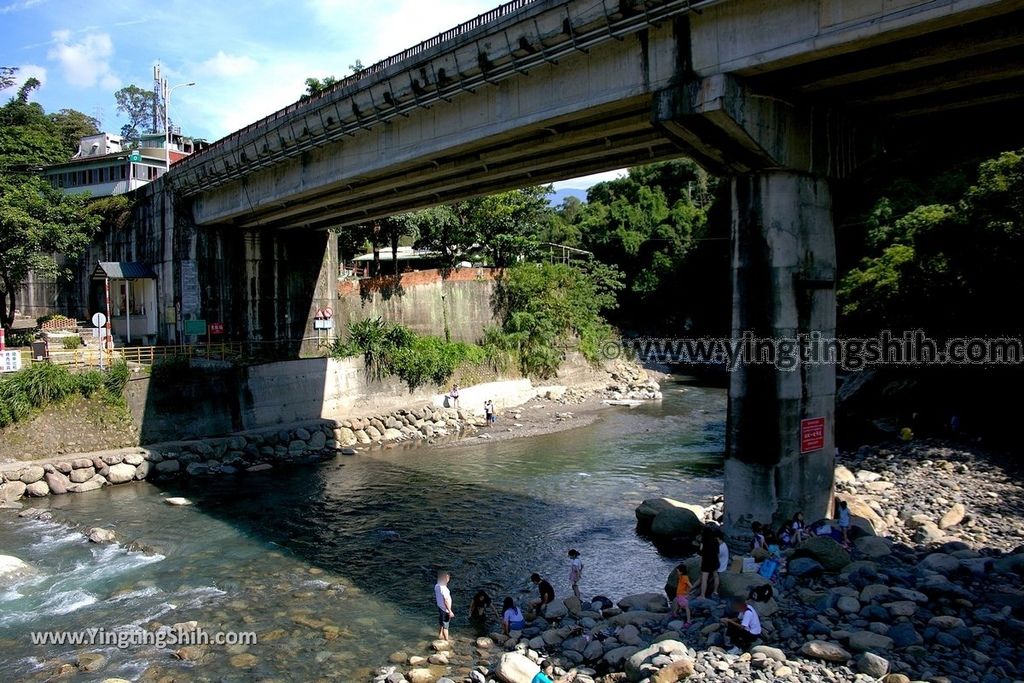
443	598
708	562
454	396
489	411
575	571
743	629
844	522
682	600
547	593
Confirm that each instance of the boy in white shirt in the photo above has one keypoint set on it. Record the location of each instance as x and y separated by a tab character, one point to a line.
744	629
443	598
575	571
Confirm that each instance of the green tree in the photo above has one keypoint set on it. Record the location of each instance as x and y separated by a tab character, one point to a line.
547	309
36	220
72	126
136	104
946	267
315	86
8	76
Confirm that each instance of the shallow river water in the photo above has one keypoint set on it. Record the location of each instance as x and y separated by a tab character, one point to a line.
331	566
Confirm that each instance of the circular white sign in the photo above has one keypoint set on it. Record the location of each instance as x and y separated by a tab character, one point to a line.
99	320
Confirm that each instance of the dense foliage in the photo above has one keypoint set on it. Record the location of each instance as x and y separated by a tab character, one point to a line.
36	220
547	309
392	349
945	266
44	384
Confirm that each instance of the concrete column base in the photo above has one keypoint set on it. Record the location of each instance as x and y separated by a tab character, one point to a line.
783	276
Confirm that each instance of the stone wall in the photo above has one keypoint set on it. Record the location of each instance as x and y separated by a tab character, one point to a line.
214	401
423	301
232	455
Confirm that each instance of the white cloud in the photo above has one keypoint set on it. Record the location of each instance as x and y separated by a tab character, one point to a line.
86	62
585	182
19	6
392	25
228	66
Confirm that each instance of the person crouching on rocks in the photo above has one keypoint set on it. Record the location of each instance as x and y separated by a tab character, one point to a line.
511	617
743	629
478	611
547	593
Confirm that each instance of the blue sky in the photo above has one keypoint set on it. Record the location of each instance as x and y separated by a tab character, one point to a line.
247	59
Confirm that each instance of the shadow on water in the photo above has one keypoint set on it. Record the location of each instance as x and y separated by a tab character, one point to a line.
492	513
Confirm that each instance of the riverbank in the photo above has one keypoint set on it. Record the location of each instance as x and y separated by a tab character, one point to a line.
524	410
935	596
293	552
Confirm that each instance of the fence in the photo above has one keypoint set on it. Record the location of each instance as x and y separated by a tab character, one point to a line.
150	355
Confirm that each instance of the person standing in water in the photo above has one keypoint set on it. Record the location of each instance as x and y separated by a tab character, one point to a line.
575	571
443	598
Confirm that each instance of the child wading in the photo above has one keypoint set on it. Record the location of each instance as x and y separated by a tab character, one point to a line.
575	571
844	522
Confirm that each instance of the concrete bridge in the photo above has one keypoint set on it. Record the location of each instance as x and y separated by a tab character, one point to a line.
784	96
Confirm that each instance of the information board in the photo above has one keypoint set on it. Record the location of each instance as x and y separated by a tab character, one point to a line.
196	327
10	361
812	434
189	288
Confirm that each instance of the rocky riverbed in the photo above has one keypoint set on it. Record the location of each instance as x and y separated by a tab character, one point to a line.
930	590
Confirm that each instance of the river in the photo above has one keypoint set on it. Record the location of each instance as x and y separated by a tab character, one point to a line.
332	565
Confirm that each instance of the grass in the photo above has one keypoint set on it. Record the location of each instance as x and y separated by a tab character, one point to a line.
44	384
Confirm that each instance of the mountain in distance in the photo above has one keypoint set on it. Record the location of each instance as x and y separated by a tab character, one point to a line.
558	196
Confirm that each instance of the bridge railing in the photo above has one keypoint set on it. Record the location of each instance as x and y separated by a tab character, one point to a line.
145	356
461	29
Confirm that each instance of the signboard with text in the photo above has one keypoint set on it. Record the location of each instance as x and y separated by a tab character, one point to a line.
216	328
10	361
196	327
812	434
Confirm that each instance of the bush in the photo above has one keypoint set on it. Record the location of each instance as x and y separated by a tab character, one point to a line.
393	349
43	384
71	343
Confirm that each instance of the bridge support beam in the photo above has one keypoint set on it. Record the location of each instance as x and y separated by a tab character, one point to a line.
780	156
783	270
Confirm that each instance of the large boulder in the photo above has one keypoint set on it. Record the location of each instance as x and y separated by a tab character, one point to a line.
678	522
872	665
825	550
829	652
651	602
649	510
862	515
734	585
57	482
12	569
121	473
869	641
873	546
953	516
635	665
11	491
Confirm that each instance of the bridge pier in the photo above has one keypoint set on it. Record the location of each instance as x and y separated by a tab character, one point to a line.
783	270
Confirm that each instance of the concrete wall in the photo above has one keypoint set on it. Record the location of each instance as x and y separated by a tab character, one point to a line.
211	401
425	302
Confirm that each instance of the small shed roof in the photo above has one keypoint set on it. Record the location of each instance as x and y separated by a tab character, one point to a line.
123	270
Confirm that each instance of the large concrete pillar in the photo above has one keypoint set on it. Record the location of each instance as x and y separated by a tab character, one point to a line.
783	274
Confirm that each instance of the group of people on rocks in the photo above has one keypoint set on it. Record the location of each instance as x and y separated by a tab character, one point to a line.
741	630
511	617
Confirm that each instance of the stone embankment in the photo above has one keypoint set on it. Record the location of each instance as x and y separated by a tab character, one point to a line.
930	589
250	452
264	449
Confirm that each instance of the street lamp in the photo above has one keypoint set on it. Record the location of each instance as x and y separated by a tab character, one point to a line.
167	130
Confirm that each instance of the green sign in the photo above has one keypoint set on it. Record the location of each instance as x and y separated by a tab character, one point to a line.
196	327
136	157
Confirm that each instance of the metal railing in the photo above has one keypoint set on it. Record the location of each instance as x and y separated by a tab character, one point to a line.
461	29
145	356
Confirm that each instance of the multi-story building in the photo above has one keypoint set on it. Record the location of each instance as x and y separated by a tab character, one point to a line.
104	166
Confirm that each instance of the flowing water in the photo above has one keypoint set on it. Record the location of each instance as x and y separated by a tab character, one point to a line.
331	566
